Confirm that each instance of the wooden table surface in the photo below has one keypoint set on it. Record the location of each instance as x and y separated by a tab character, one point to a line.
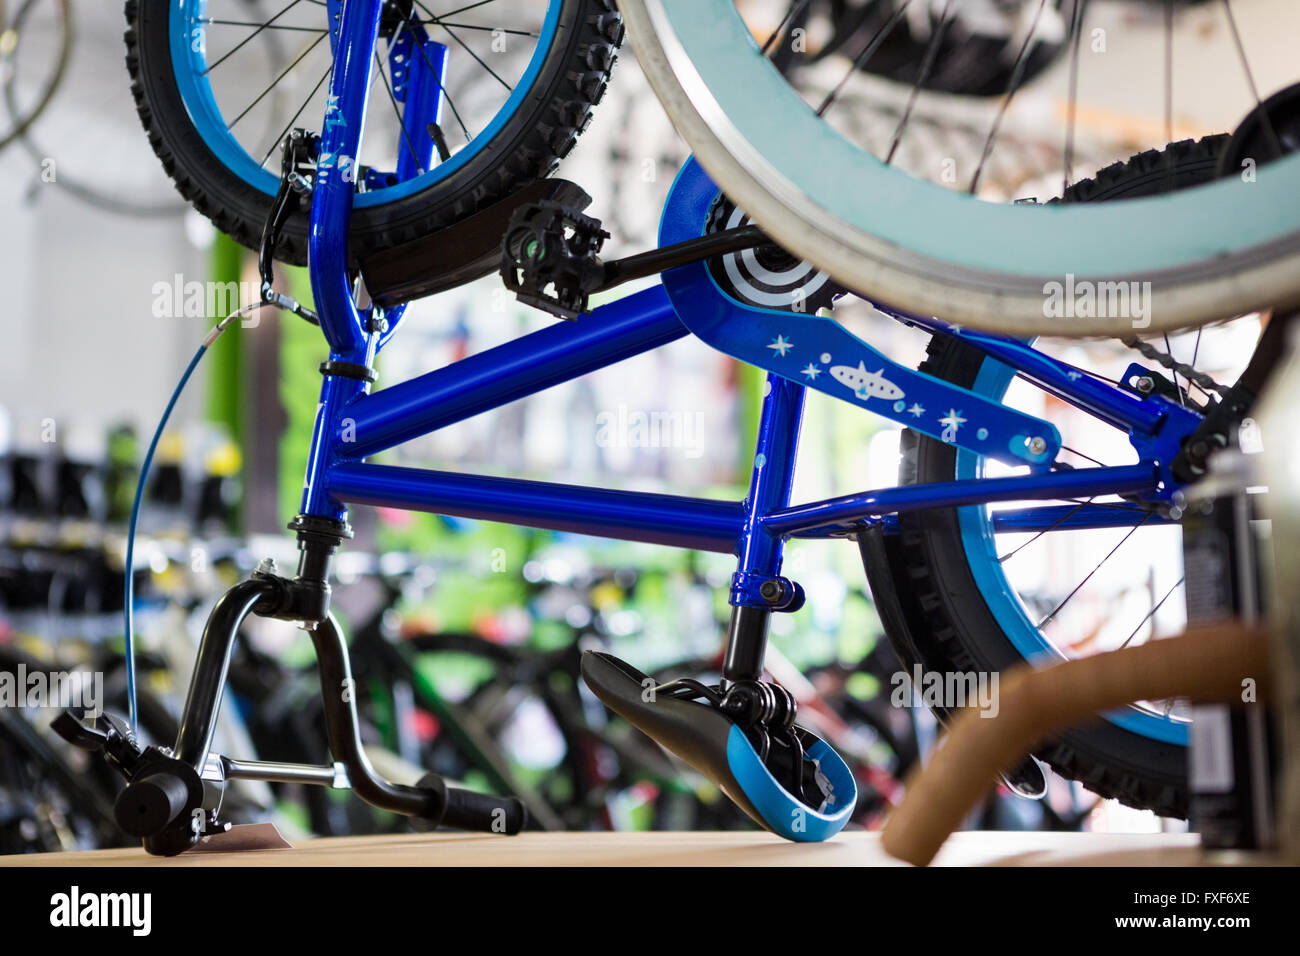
677	849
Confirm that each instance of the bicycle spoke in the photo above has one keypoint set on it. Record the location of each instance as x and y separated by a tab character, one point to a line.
927	64
881	35
287	70
397	111
1076	29
1151	613
1082	455
1169	349
255	33
475	26
452	13
1093	502
1112	505
794	10
415	42
464	46
1052	527
1250	79
1196	351
1043	623
1017	77
209	21
288	126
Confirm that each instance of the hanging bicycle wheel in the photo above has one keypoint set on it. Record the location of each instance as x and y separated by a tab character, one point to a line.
517	80
981	592
54	35
84	144
1220	249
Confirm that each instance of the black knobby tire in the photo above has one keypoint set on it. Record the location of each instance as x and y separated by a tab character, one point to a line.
951	626
529	146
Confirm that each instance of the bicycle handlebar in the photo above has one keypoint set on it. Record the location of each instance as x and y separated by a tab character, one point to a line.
151	804
468	810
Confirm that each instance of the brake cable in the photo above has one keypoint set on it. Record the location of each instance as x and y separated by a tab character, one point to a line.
299	148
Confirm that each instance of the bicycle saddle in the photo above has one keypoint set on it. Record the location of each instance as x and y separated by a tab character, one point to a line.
790	783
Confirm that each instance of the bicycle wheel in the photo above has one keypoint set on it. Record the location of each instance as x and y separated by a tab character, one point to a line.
26	109
1220	249
976	53
84	146
979	599
531	73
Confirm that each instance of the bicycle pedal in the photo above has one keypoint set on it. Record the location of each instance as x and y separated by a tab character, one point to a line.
549	257
718	748
464	251
1028	780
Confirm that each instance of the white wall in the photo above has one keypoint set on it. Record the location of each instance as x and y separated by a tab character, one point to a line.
81	344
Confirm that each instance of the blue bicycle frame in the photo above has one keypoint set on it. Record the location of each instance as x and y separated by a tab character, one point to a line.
353	423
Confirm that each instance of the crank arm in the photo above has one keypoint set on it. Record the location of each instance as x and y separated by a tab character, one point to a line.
819	353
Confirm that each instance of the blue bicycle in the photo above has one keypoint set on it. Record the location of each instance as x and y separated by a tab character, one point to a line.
985	466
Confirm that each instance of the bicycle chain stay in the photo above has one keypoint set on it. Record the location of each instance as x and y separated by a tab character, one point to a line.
819	353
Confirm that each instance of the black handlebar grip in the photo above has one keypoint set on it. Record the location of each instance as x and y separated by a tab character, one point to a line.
148	805
467	810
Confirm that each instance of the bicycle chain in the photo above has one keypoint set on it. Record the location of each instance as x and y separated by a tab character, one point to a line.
1178	368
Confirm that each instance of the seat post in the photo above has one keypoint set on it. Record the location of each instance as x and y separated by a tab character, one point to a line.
757	588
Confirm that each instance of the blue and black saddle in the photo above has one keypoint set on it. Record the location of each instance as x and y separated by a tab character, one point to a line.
789	781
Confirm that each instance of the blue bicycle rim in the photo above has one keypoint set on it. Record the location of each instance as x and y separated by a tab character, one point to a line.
196	92
978	541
